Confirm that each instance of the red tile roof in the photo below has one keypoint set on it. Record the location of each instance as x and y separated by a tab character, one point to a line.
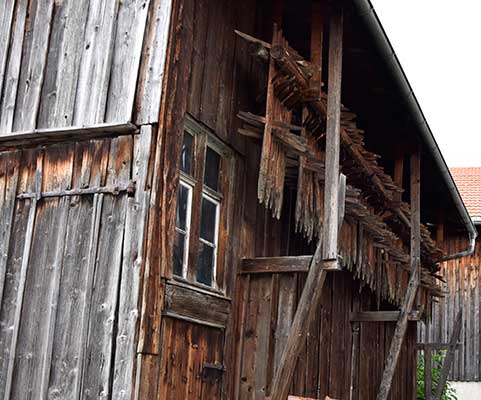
468	181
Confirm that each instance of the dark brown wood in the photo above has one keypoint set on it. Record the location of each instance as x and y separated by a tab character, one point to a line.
448	360
202	306
410	296
331	195
380	316
286	264
309	300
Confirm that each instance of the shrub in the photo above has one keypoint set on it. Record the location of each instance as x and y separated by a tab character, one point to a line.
437	362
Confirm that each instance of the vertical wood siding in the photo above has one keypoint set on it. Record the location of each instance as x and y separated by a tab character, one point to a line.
463	291
69	276
77	62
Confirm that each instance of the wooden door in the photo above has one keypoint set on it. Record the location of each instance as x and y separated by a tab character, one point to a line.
192	361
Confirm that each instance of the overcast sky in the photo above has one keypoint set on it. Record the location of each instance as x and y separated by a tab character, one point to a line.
438	43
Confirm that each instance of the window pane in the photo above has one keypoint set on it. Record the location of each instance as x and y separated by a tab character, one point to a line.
179	245
186	156
212	163
182	204
205	264
208	220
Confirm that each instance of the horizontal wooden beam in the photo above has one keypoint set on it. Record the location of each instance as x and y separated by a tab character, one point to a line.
65	134
435	346
380	316
275	265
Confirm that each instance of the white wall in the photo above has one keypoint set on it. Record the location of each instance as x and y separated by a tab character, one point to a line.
468	390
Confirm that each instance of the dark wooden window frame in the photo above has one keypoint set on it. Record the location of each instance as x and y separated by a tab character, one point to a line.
204	138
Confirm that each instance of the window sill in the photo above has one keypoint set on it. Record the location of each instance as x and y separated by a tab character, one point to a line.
198	287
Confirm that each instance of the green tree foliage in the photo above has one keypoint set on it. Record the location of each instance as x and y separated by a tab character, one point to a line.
437	362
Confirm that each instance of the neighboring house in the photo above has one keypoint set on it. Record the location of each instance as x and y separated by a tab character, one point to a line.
173	223
463	284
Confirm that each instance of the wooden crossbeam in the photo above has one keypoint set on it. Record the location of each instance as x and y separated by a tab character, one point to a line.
381	316
275	265
414	281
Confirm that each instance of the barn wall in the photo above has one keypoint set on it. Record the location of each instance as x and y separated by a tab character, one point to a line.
213	70
77	63
463	283
324	366
69	275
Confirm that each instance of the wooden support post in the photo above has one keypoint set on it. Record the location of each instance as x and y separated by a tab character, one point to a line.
331	210
398	173
428	372
440	229
414	281
448	360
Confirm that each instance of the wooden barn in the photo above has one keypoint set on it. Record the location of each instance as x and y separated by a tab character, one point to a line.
463	290
213	199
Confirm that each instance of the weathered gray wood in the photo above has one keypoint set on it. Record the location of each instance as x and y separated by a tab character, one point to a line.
73	298
95	63
22	280
96	369
33	69
331	195
133	251
9	166
14	263
73	133
12	72
274	265
85	313
448	360
53	294
153	62
410	296
65	50
6	22
131	21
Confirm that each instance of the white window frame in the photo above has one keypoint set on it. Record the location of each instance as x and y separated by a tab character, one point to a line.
183	181
215	200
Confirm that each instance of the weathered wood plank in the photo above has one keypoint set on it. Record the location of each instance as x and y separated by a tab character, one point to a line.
63	64
202	307
37	137
6	24
130	28
137	209
380	316
285	264
331	196
9	180
12	72
11	286
72	300
95	64
27	247
33	69
153	62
